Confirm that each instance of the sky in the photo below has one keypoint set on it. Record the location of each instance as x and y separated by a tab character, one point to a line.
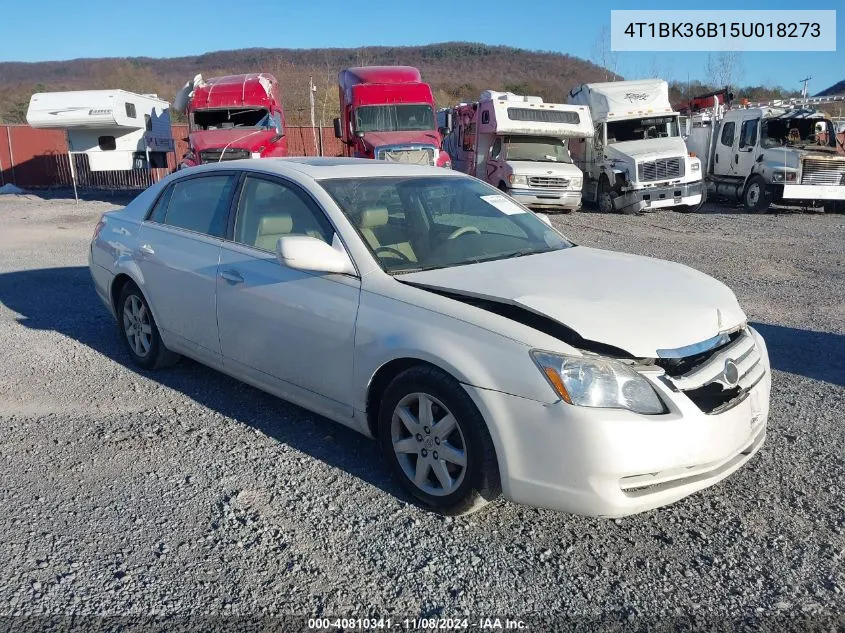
106	28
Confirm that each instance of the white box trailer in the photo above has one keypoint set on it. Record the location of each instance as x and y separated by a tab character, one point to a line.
637	159
520	145
118	130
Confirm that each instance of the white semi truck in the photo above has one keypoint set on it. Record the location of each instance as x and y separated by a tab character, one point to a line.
637	159
784	152
520	145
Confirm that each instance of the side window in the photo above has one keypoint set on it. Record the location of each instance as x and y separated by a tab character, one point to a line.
728	132
469	138
157	214
485	117
748	134
496	152
201	204
130	110
268	210
148	123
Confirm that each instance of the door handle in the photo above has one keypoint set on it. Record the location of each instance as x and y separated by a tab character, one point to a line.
232	276
146	249
736	159
717	158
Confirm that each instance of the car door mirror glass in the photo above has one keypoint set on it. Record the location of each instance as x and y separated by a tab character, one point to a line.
303	252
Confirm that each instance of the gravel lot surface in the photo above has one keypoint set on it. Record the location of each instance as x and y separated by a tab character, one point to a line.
184	491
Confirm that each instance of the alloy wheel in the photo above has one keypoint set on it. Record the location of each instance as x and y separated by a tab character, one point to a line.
429	444
137	326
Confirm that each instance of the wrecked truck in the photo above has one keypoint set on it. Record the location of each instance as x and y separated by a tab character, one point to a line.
782	152
637	159
232	117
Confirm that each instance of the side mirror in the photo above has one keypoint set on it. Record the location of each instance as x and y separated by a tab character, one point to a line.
186	139
359	134
448	122
545	218
338	130
303	252
443	131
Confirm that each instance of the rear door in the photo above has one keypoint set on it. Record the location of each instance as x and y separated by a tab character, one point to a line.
178	253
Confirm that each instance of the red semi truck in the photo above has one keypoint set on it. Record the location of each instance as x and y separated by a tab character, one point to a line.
232	117
387	113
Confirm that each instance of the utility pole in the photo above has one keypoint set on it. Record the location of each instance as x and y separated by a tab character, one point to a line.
804	90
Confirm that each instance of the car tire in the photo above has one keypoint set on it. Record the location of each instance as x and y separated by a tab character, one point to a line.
415	450
139	331
756	198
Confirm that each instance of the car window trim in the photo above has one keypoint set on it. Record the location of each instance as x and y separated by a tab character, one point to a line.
227	172
286	182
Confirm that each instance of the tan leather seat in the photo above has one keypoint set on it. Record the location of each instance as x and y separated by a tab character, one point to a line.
373	225
271	228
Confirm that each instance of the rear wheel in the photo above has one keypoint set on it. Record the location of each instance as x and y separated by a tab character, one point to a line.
756	197
139	331
436	442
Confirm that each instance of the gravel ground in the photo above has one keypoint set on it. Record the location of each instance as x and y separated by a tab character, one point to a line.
184	491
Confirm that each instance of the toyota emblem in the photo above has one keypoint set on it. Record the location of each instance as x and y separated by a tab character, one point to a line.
731	373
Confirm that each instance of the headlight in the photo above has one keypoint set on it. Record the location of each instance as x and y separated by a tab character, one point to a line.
255	155
447	165
696	166
783	176
598	382
575	183
518	180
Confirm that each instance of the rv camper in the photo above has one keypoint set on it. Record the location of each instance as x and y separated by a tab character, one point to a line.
637	159
118	130
520	145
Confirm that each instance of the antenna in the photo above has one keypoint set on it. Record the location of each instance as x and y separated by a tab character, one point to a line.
804	89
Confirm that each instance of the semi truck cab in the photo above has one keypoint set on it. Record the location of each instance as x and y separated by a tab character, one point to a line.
387	113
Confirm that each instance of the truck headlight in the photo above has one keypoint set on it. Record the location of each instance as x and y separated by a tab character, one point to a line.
598	382
783	176
255	155
696	166
518	180
575	183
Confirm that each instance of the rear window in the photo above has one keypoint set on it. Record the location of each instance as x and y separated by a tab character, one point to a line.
543	116
200	205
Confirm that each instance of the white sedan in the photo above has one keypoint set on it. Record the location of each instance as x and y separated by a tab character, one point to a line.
488	354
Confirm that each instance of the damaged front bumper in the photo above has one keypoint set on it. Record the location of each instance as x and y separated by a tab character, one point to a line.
682	194
613	462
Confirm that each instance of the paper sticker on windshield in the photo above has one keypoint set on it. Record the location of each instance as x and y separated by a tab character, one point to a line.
503	204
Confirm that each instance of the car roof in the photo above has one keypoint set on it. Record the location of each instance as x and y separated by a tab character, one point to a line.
322	168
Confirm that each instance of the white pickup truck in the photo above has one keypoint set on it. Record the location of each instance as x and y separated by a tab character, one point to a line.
637	159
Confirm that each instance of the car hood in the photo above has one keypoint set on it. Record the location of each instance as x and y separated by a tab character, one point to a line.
417	137
534	168
637	304
650	149
241	139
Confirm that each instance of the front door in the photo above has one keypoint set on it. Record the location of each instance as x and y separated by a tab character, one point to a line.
290	329
723	159
749	136
178	252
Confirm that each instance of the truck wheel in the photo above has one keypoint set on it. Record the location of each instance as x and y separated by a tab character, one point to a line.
757	197
604	199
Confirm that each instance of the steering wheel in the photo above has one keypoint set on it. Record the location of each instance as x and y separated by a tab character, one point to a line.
392	251
463	231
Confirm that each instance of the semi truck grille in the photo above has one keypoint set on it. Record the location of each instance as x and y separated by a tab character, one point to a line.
408	156
663	169
817	171
720	378
544	182
213	155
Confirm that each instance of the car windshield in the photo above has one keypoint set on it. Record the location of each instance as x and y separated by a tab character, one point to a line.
538	149
394	118
422	223
223	118
641	129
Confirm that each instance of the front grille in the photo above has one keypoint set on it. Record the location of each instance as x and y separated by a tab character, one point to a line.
817	171
408	156
663	169
213	155
704	380
544	182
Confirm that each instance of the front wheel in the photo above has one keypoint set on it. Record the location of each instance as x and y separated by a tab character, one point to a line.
436	442
756	197
140	332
